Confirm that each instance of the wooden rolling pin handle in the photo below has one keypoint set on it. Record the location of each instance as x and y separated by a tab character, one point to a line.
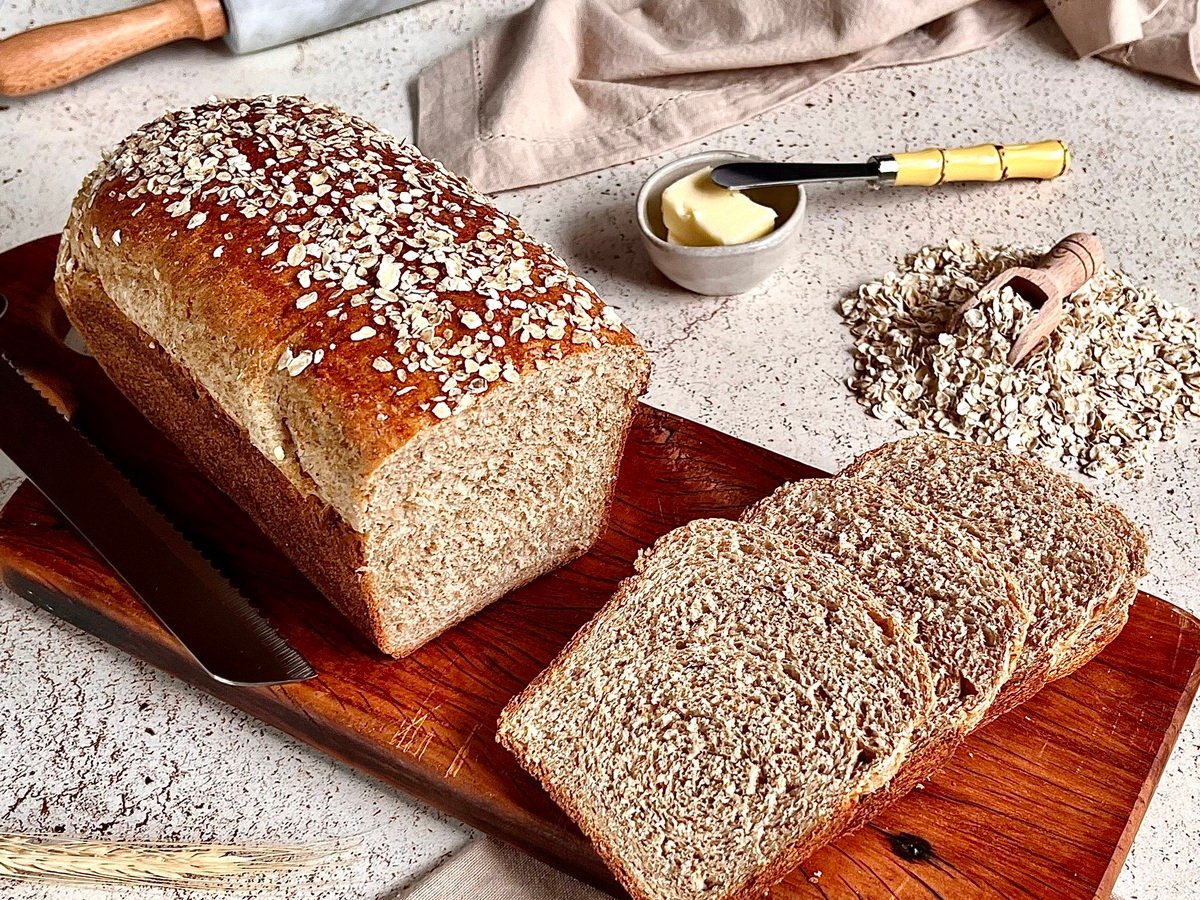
1073	261
54	55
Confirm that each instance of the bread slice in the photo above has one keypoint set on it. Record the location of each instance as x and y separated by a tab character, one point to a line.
1073	567
420	404
931	575
720	717
934	578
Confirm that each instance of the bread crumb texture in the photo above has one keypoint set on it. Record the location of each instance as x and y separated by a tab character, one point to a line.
721	711
929	573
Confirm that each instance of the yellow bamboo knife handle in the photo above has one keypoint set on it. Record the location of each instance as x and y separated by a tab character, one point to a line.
987	162
55	55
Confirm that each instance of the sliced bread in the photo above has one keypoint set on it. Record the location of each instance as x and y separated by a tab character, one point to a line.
1072	559
719	719
932	576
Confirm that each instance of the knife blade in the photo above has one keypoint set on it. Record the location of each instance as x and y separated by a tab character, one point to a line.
208	616
743	176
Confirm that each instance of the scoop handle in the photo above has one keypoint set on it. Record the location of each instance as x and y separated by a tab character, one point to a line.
54	55
987	162
1073	261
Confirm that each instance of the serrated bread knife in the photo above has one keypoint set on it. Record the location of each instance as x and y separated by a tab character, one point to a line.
208	616
58	54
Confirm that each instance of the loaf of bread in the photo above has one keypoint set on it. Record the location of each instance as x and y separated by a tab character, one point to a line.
718	720
422	406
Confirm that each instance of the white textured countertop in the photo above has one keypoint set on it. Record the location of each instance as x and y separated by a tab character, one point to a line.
94	743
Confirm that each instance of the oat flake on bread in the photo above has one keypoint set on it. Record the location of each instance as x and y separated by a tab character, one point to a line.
1119	373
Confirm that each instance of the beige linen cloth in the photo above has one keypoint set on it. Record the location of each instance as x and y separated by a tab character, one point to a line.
489	870
1162	36
570	86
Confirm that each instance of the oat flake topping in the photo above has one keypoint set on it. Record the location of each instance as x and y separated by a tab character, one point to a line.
360	219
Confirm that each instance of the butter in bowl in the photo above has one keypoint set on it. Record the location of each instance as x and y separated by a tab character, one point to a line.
712	240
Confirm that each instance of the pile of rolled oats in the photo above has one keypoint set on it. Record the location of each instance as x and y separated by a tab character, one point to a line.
1119	373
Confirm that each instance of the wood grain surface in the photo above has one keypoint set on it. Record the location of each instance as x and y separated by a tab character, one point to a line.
1043	802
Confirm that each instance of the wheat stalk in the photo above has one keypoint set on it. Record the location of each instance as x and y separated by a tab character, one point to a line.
52	859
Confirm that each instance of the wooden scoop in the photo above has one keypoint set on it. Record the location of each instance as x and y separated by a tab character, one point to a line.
1065	269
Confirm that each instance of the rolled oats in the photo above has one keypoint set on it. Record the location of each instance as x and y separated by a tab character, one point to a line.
1120	372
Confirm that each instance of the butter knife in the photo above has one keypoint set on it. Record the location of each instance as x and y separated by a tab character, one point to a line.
987	162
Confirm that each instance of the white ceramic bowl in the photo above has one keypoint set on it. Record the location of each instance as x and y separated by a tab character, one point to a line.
718	270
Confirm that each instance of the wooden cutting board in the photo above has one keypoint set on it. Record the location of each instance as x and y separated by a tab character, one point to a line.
1042	803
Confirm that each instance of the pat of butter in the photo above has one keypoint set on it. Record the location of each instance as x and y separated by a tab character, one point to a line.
699	213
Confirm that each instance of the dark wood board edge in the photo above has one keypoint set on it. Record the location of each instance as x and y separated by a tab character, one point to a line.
1170	737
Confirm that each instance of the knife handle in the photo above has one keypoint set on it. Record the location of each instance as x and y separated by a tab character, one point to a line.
54	55
987	162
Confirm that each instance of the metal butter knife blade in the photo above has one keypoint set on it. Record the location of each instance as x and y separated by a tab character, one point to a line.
214	623
744	176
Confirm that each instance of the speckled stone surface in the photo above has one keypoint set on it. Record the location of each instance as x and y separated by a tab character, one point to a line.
95	743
